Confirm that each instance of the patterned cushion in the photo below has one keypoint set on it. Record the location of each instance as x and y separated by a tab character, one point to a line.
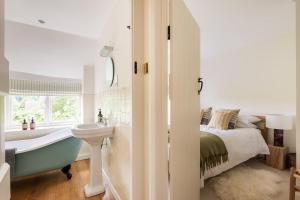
201	115
206	115
220	120
234	119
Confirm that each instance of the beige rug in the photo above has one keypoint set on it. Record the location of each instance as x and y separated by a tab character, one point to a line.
245	183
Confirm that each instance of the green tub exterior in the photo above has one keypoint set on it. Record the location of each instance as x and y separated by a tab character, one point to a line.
54	156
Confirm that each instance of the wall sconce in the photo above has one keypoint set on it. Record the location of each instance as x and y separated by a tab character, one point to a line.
106	51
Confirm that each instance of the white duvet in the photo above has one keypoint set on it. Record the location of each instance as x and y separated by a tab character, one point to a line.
241	143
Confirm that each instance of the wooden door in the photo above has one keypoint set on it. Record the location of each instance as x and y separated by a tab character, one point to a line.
185	104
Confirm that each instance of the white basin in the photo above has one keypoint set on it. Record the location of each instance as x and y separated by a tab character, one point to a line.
92	131
94	134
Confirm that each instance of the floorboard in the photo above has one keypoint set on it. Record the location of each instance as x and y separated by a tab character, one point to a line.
55	186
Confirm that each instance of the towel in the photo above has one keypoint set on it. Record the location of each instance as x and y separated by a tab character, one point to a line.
10	158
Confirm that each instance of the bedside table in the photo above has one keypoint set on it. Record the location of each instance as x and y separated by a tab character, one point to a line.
277	157
291	160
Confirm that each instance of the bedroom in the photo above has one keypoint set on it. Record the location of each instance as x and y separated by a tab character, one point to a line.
248	63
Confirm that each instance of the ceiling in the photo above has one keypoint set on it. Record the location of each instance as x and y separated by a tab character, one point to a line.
63	44
46	52
80	17
233	24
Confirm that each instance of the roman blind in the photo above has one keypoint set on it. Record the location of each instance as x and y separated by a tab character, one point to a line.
45	87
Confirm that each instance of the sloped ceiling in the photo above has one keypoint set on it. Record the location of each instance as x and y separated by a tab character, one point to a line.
63	44
40	51
79	17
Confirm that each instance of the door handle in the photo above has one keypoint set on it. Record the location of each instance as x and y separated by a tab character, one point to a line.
200	84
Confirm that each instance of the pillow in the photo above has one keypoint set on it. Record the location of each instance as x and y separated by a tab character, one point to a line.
249	118
220	120
201	115
245	124
206	116
234	119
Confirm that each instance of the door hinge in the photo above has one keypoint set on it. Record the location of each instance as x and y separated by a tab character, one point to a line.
169	32
146	68
135	67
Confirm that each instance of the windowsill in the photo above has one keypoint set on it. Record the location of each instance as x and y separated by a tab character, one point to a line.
38	128
17	134
43	127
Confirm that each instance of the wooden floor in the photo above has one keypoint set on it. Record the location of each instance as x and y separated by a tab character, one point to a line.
55	186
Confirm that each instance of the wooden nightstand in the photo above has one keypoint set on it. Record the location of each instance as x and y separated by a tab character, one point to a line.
291	160
277	157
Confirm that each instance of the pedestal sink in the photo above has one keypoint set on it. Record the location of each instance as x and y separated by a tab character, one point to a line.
94	134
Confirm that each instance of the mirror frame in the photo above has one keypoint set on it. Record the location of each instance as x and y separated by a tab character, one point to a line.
113	71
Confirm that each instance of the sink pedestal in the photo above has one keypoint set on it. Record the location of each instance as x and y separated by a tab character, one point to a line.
95	185
94	135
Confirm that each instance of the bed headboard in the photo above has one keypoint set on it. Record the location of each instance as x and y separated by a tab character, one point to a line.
261	125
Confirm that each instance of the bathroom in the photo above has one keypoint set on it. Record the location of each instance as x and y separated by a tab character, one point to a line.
66	63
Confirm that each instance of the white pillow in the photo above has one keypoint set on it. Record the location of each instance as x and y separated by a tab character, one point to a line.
245	124
249	118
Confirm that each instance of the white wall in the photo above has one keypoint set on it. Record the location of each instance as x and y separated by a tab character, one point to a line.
248	58
3	62
117	100
298	82
4	168
31	76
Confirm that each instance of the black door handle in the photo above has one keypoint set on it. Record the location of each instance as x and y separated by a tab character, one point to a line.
201	85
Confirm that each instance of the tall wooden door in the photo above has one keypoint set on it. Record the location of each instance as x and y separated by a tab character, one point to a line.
185	104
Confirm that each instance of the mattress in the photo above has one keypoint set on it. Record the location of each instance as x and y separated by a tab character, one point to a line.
241	143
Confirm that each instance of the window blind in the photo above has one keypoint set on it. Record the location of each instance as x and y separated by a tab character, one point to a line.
45	88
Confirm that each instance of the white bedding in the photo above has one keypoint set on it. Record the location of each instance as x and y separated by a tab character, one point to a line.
23	146
241	143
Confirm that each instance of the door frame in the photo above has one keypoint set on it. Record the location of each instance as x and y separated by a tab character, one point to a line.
149	148
155	138
137	140
298	82
157	54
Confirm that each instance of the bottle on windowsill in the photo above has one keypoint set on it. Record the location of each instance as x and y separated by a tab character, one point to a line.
32	124
100	117
24	125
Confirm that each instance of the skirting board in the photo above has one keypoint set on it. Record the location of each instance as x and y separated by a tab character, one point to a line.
111	186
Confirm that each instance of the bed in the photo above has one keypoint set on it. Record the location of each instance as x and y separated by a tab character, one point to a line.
241	144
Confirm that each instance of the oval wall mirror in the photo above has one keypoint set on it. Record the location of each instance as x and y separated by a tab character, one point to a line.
110	71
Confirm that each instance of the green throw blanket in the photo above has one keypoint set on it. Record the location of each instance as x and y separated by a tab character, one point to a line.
212	151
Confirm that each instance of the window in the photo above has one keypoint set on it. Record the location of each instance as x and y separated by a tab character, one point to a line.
64	108
46	110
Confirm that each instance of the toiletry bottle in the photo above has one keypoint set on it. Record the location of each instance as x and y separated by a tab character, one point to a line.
100	117
32	124
25	125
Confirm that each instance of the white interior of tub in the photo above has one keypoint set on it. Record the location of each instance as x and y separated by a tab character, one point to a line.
23	146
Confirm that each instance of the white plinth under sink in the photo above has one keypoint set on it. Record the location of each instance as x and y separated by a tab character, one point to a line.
94	134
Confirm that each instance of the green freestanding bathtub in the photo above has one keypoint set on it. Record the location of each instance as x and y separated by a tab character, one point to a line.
57	150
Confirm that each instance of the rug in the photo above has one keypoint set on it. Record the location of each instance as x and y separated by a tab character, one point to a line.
245	183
